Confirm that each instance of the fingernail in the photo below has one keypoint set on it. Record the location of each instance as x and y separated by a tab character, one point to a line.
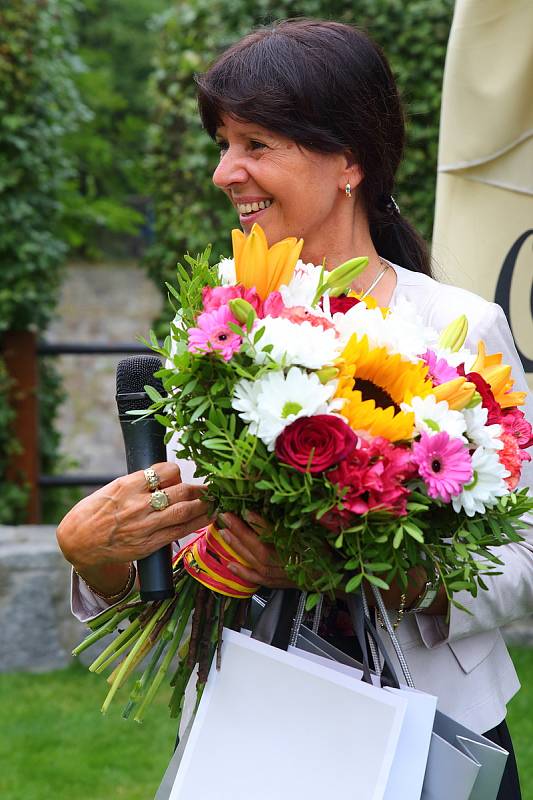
225	535
224	519
232	567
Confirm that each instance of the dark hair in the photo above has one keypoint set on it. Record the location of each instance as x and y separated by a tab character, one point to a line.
328	87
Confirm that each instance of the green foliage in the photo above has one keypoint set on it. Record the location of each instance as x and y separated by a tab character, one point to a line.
190	211
115	49
12	496
39	106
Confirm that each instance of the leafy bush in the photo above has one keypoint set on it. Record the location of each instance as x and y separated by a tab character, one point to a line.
39	105
189	210
115	45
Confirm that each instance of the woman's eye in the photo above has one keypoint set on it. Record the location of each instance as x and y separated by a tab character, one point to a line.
255	145
222	145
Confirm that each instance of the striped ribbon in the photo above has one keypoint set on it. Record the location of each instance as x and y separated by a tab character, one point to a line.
206	560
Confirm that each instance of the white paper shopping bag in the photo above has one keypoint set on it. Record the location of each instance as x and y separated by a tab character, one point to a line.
406	777
274	725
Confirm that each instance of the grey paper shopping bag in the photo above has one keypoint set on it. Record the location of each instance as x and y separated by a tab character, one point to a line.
462	764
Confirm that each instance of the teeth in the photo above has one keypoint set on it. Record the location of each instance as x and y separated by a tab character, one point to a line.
247	208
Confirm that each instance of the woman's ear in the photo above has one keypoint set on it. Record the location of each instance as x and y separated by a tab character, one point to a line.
352	172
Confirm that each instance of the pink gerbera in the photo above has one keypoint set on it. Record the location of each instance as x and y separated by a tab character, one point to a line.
213	334
443	463
439	369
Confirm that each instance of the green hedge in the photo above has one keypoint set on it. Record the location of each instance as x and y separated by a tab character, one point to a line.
189	211
39	105
115	46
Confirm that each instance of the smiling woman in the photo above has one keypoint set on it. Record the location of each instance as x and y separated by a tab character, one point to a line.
311	132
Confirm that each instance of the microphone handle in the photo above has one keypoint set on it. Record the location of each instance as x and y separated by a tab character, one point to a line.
144	444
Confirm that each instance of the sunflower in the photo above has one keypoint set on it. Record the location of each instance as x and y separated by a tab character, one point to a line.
498	376
263	267
374	383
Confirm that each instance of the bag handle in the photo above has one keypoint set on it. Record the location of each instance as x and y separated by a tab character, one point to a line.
275	623
365	629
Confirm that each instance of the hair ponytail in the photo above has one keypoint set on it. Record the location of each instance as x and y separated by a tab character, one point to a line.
396	240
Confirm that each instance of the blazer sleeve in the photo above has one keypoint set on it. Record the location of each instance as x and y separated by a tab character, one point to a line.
510	595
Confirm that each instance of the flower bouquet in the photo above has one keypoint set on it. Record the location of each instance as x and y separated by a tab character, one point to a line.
369	443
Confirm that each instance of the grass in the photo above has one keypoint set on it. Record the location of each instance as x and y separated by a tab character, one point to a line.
56	745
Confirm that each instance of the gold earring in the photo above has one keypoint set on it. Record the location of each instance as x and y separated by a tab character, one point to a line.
348	190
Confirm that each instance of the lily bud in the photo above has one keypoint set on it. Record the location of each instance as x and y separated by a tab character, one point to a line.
327	374
241	309
341	277
453	336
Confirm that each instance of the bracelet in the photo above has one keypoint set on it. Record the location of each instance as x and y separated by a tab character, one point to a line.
113	598
400	613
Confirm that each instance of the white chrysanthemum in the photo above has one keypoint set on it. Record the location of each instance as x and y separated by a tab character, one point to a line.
275	400
477	430
432	416
226	272
401	331
302	287
486	485
303	344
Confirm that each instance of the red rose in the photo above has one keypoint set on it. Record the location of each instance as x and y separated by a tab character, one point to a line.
312	444
342	303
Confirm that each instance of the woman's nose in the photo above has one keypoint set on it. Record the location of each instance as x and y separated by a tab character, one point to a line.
230	170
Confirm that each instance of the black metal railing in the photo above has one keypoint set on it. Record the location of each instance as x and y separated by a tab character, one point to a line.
84	349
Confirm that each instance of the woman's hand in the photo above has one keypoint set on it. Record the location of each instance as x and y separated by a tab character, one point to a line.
265	568
116	524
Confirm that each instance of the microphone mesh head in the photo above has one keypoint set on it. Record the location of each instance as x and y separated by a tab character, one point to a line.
133	374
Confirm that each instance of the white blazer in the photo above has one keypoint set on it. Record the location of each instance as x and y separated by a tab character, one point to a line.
465	663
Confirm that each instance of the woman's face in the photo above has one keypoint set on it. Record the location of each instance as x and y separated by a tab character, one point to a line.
270	180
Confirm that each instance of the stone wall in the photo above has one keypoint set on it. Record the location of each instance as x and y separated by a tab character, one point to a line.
37	630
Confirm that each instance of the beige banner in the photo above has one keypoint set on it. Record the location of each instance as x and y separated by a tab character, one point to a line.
483	234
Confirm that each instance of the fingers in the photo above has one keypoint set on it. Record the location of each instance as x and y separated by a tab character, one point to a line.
263	567
167	471
246	542
272	577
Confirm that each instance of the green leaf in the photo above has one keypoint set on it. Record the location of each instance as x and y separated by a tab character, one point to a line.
378	582
414	531
354	583
153	394
398	538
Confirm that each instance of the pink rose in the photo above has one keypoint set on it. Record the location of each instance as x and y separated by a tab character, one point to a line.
214	297
312	444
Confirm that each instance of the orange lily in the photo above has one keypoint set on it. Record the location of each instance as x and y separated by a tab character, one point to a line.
457	393
258	265
498	376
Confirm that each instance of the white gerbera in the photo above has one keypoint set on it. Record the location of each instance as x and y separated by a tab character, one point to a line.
302	287
303	344
226	272
275	400
486	485
432	416
477	430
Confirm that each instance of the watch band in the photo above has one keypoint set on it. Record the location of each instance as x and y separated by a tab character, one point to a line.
427	596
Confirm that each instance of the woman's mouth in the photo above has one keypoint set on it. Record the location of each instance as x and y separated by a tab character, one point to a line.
250	212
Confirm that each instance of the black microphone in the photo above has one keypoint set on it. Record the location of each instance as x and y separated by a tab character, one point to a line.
144	443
